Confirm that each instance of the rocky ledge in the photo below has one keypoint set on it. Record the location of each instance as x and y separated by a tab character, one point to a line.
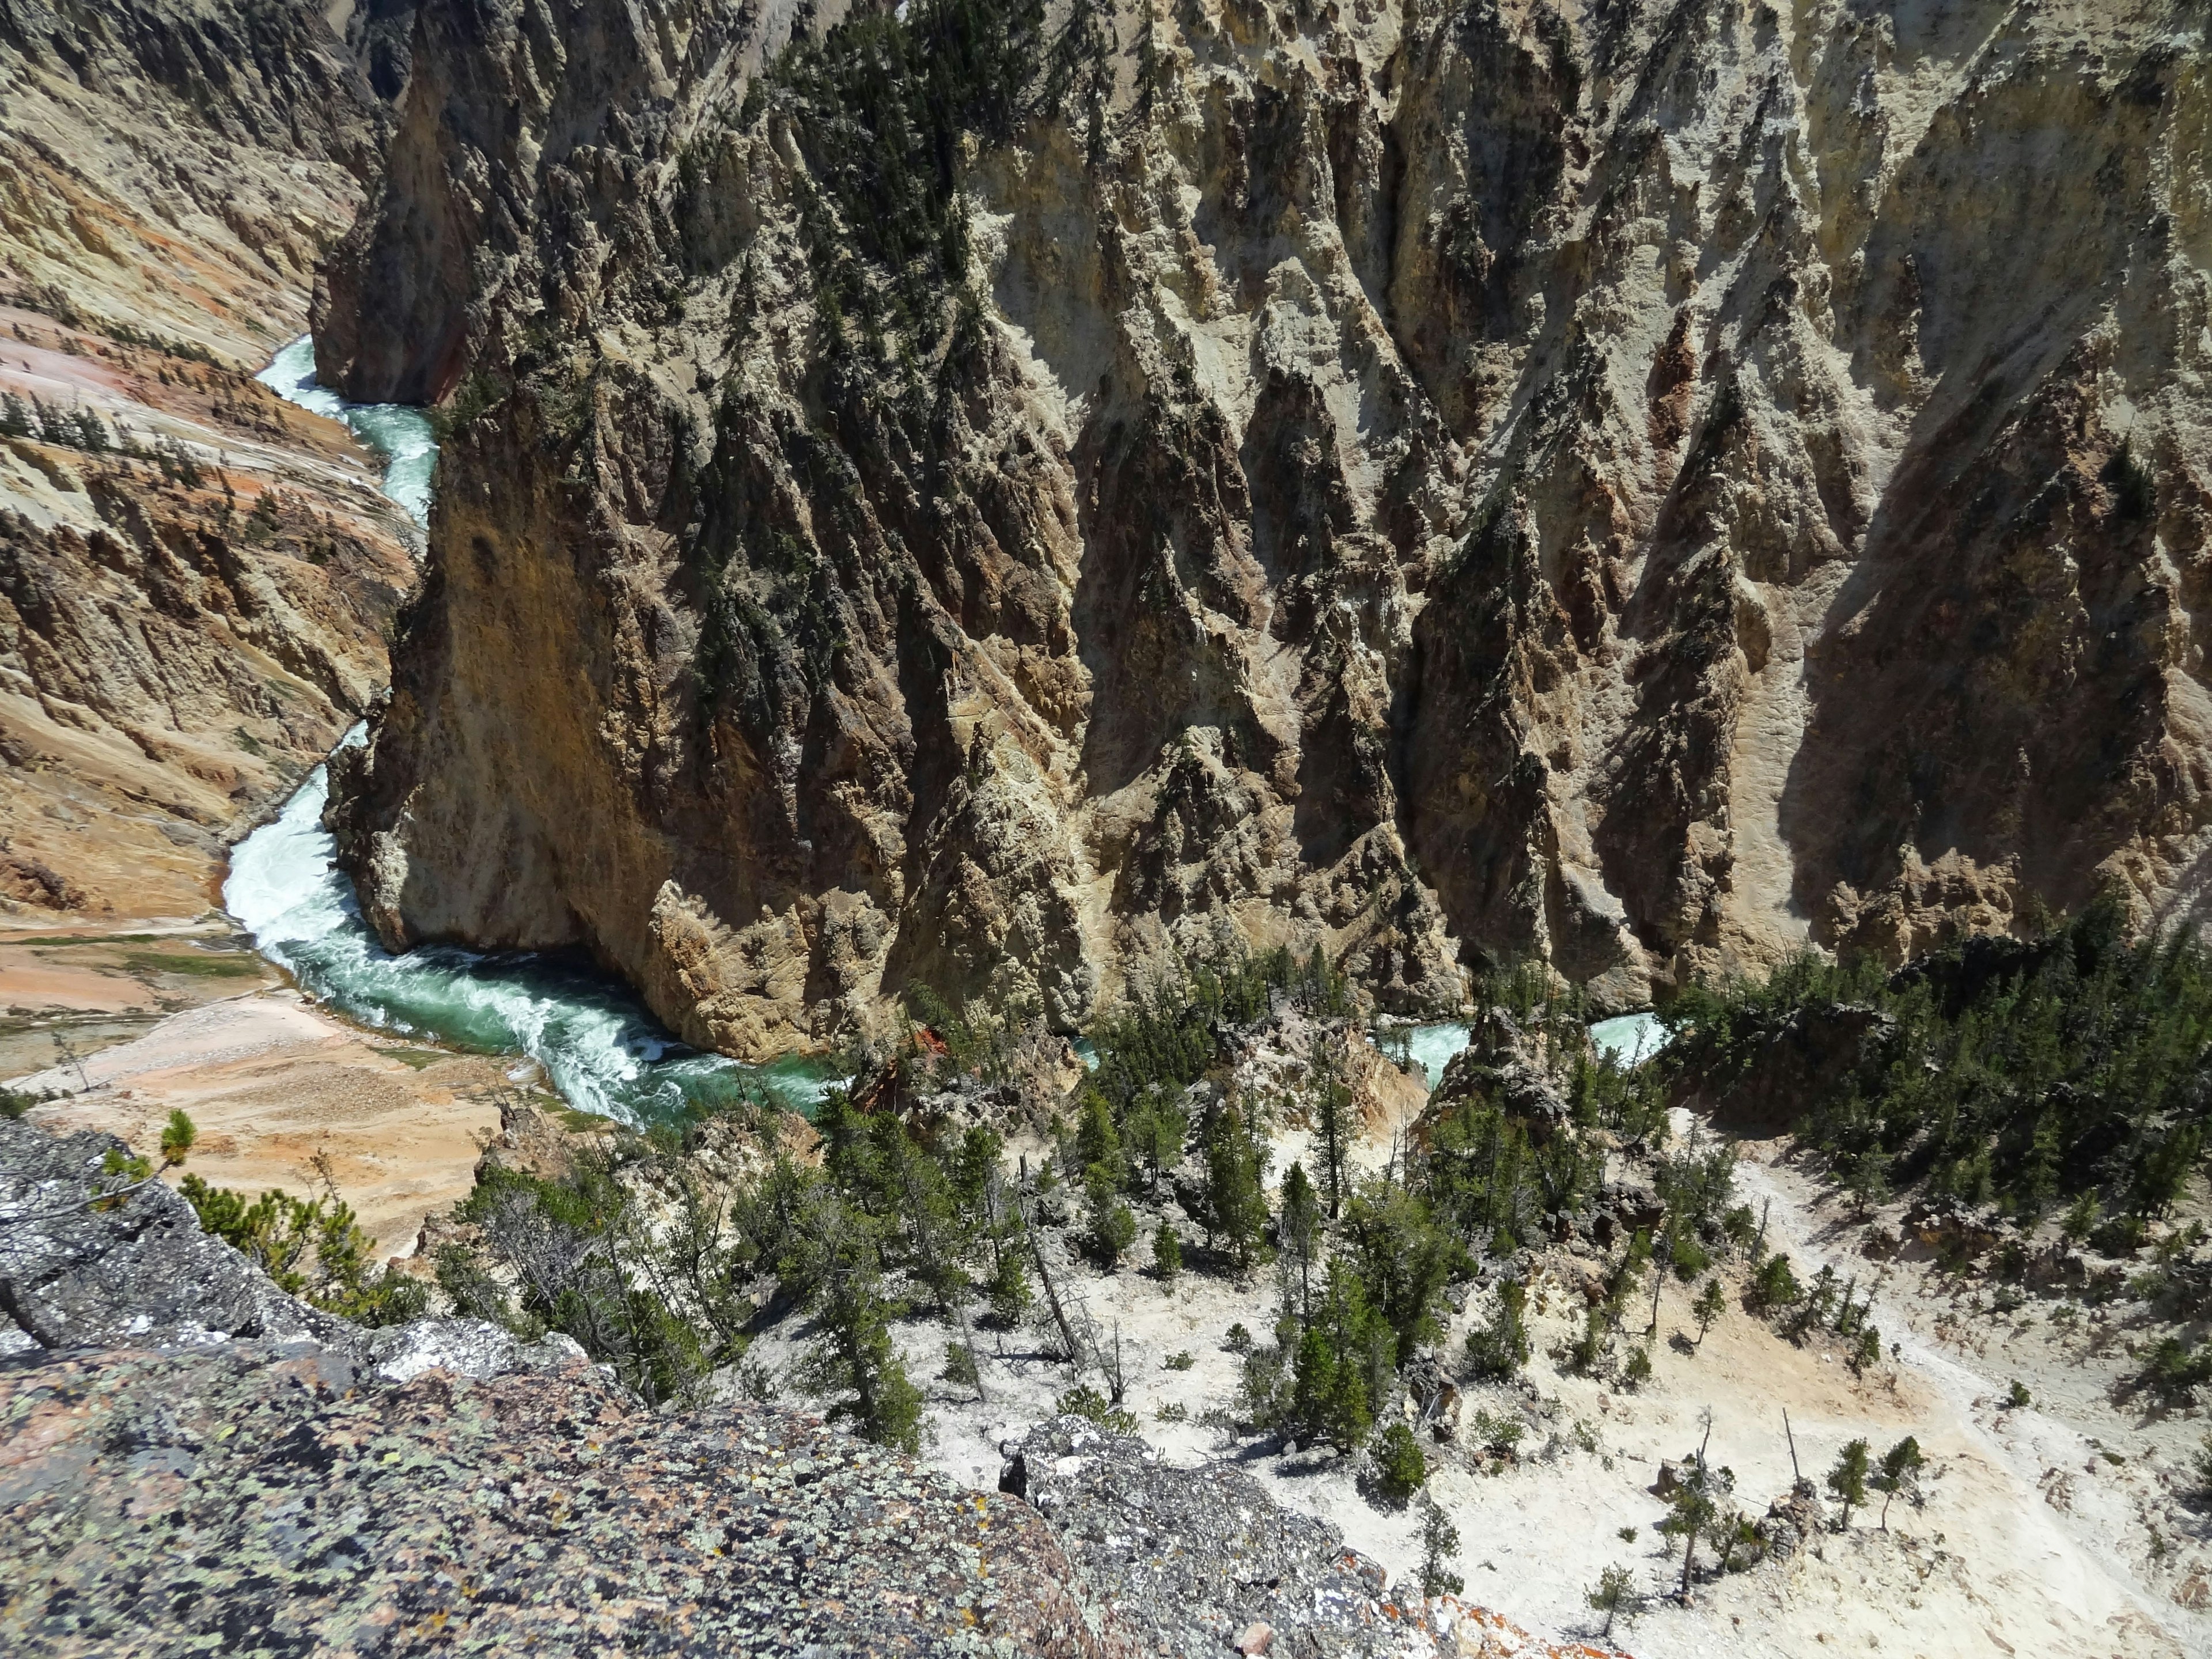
1203	1561
191	1459
275	1500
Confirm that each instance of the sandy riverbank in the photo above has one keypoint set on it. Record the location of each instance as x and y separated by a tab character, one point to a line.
272	1081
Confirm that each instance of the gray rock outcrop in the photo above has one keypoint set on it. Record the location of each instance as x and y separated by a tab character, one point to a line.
1186	1561
137	1272
263	1500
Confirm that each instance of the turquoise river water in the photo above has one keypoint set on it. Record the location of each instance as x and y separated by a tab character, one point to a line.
603	1051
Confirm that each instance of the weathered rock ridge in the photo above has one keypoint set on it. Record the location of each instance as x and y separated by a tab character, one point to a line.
1002	499
195	577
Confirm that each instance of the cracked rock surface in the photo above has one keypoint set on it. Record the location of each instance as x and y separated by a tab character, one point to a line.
261	1498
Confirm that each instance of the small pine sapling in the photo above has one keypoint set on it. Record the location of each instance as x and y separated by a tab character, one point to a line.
1614	1593
1774	1285
1167	1253
1711	1302
960	1368
1497	1351
1010	1292
178	1136
1439	1545
1847	1478
1866	1349
1898	1471
1638	1370
1400	1470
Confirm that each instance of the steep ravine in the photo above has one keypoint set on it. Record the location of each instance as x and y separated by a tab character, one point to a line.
600	1050
1650	485
196	579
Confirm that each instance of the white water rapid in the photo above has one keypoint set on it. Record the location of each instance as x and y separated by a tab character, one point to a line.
603	1051
1628	1038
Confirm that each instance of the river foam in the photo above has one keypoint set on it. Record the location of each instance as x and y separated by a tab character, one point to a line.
1630	1039
603	1051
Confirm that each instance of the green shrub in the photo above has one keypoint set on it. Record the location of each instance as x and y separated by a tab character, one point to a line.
1084	1401
1500	1434
1774	1285
2174	1372
1497	1350
960	1367
1400	1470
1688	1258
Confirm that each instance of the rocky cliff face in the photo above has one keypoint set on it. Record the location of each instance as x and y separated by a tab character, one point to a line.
195	578
1001	499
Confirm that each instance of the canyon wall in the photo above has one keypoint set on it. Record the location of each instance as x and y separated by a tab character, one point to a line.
196	577
1013	499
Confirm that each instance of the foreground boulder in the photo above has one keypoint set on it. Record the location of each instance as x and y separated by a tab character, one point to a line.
254	1498
1203	1562
136	1270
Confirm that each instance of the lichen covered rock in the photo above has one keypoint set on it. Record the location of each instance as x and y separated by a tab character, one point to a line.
272	1500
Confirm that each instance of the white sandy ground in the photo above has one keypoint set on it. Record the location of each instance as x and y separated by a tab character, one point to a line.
2031	1541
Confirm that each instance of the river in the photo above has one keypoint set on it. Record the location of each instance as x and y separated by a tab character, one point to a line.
1628	1038
603	1051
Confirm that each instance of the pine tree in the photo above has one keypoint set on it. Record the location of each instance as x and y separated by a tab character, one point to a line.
1616	1589
1341	1363
1694	1504
1847	1478
1333	1130
1867	1350
1439	1544
854	1361
1497	1351
1009	1290
1400	1468
1298	1230
1774	1285
1152	1136
1710	1303
1235	1201
1097	1142
1405	1260
178	1136
1167	1253
1113	1228
1899	1473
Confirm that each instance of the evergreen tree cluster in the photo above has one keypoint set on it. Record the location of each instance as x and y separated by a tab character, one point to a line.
66	428
313	1248
882	107
2073	1065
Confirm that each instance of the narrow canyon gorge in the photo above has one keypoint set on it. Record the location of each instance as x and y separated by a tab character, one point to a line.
1646	488
1106	827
